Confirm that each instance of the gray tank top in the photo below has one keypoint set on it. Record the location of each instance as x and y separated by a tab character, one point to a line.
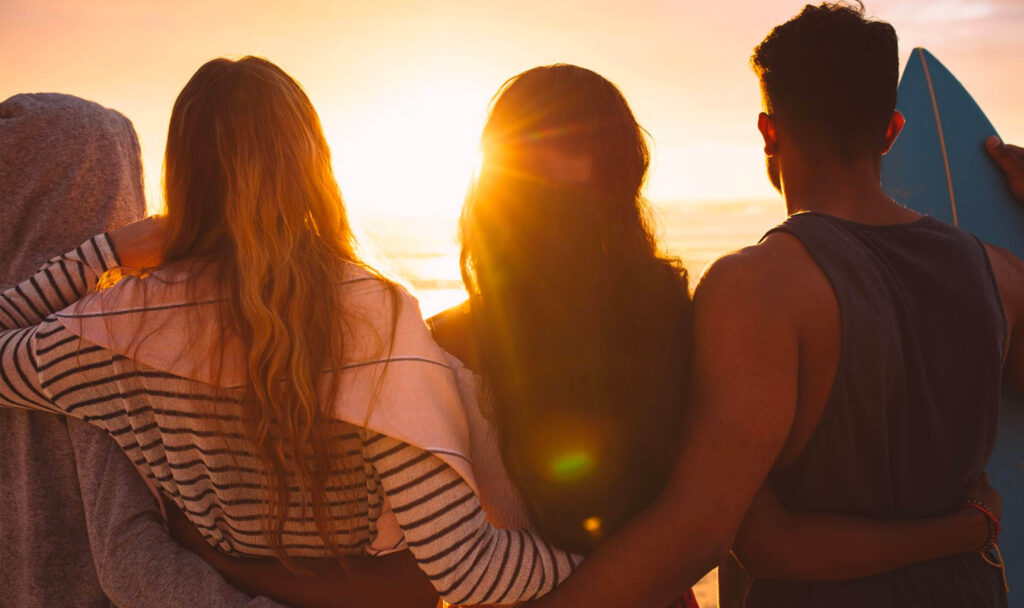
911	418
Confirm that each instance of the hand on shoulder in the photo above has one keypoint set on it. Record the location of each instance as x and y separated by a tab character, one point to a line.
140	244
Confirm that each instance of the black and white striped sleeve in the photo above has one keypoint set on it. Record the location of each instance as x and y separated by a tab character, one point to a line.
58	284
467	558
24	312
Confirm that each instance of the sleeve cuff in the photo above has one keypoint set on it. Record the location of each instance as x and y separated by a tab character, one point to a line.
107	253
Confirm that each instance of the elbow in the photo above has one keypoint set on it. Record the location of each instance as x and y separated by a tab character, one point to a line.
115	576
715	555
777	562
762	555
753	563
700	560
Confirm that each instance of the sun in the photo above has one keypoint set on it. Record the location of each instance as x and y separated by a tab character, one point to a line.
413	155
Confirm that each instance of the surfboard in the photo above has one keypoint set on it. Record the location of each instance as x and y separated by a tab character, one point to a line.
939	166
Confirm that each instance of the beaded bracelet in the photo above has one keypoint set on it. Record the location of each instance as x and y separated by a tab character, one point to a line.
993	524
991	543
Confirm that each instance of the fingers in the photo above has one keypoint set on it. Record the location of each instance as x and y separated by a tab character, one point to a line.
1010	159
140	244
1008	156
1014	150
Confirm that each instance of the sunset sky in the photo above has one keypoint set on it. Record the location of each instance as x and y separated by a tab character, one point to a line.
402	87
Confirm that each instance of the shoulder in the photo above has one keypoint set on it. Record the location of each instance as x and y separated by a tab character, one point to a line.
1004	263
452	331
365	290
772	288
1008	270
771	269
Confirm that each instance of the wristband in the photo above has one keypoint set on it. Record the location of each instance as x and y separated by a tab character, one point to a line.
993	524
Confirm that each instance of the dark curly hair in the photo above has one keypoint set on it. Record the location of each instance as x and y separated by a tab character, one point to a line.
829	77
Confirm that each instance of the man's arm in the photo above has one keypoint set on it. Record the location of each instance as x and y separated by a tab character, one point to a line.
775	542
137	563
746	361
1014	309
1009	273
1008	268
393	580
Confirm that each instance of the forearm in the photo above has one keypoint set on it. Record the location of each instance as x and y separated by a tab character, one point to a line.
649	563
741	410
361	582
61	282
24	310
137	562
469	560
144	568
824	547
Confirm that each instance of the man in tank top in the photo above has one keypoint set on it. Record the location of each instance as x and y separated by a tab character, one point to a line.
852	359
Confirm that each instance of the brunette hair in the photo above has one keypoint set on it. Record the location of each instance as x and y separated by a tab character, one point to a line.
582	328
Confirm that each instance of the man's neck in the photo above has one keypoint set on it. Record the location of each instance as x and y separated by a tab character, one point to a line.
851	192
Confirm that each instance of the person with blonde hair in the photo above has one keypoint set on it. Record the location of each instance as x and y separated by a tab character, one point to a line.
281	393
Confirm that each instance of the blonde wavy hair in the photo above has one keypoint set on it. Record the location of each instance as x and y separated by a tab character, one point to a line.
252	199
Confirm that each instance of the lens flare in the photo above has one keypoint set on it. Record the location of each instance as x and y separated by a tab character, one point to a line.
592	525
572	466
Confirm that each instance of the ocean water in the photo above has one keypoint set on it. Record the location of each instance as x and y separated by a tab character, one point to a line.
423	251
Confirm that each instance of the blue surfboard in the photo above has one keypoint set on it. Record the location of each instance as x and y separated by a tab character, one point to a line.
939	166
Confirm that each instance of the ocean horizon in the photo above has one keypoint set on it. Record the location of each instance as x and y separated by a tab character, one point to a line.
422	251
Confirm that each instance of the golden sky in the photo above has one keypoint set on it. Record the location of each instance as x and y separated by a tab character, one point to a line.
402	86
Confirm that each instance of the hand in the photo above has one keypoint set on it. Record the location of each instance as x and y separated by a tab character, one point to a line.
140	244
1010	159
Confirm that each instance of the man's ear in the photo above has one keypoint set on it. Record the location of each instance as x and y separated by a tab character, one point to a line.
766	125
893	130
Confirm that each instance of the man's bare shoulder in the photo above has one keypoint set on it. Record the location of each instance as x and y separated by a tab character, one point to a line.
1009	272
1006	265
778	267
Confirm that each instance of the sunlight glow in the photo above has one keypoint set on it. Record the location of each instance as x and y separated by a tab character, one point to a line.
416	154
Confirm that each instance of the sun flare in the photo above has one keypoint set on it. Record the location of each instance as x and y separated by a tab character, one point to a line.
415	155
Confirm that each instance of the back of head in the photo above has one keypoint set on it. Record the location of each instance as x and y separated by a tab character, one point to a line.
582	329
829	77
69	169
252	200
247	161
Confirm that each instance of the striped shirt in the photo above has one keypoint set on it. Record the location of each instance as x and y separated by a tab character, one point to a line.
187	438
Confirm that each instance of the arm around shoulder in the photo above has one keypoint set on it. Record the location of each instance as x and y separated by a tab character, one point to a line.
775	542
137	563
742	406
